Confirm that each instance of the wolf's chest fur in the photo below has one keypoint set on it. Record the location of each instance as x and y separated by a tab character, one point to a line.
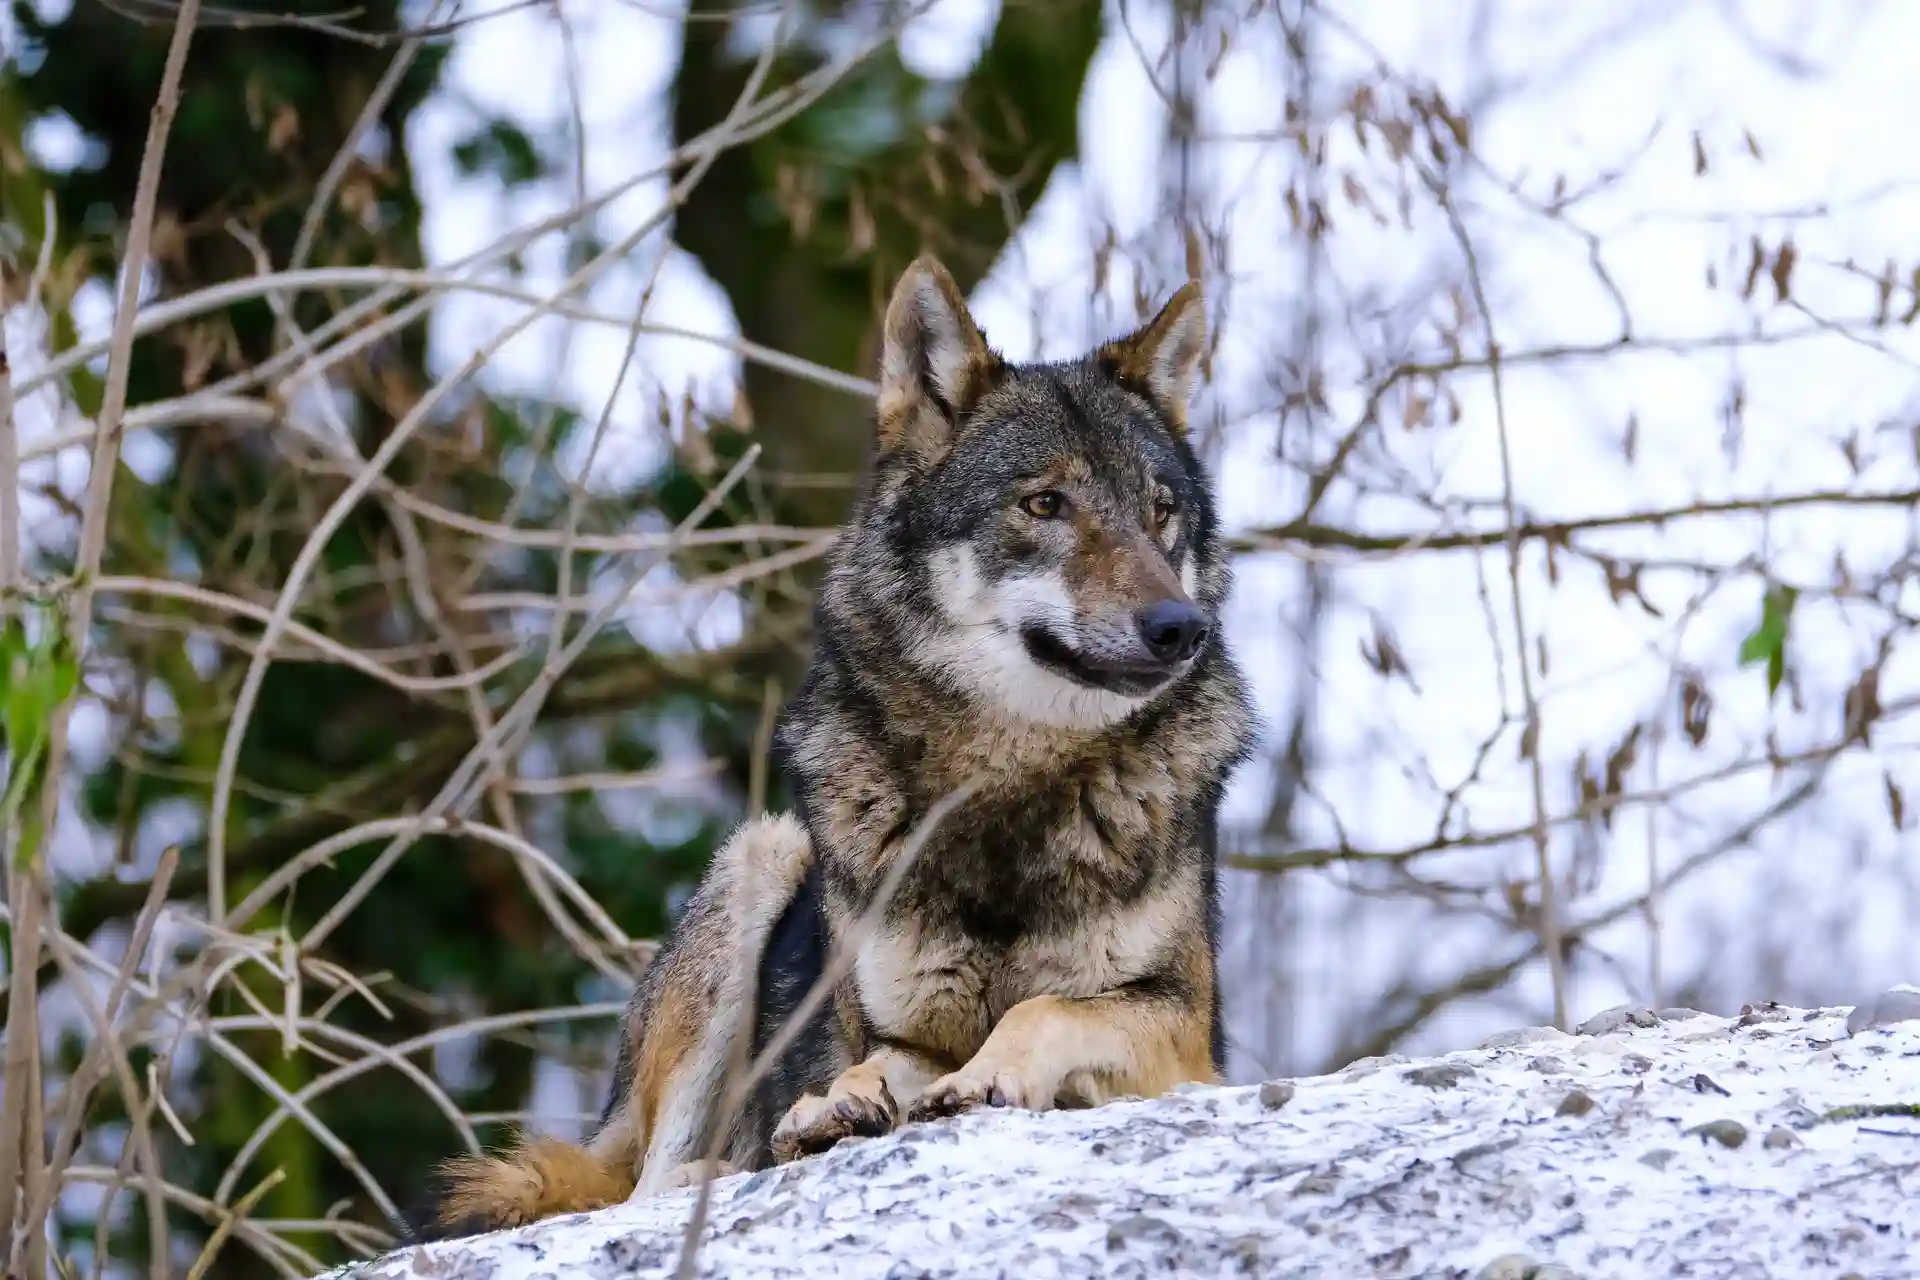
1070	872
935	984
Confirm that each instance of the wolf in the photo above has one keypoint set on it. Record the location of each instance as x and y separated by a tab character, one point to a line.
1022	610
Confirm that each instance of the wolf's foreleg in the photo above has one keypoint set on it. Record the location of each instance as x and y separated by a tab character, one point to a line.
1053	1050
864	1101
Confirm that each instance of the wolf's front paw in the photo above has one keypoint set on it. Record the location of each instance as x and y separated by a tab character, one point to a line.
962	1091
815	1124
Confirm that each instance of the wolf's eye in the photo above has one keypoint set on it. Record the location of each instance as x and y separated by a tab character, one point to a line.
1162	512
1044	505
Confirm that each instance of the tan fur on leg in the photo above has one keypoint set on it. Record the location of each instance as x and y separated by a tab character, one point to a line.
1090	1050
864	1100
689	1033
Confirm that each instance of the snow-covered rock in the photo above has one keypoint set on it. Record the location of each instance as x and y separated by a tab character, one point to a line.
1661	1144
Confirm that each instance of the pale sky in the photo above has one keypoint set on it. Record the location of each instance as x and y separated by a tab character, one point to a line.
1588	91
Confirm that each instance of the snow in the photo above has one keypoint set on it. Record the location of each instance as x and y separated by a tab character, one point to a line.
1444	1167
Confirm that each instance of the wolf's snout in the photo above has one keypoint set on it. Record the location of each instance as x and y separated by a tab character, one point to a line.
1172	630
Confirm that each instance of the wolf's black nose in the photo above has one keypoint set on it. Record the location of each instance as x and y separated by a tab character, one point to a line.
1172	630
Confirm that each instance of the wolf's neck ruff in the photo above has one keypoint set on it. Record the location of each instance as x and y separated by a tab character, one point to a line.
1027	592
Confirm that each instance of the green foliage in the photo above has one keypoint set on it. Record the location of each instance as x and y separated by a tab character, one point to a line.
502	149
1768	641
36	680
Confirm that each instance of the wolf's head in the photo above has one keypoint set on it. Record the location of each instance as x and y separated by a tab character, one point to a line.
1038	538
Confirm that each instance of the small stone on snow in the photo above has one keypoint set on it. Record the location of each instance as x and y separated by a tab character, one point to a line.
1518	1266
1728	1133
1275	1094
1900	1004
1441	1075
1522	1035
1781	1138
1576	1103
1764	1011
1324	1183
1617	1018
1678	1014
1143	1227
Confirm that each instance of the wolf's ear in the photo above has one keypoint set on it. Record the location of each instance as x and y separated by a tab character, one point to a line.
934	363
1158	360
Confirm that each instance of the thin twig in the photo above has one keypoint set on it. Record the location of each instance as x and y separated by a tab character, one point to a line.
19	1125
113	399
81	1082
231	1219
139	1128
1548	908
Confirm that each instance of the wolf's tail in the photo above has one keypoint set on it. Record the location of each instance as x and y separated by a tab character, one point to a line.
535	1178
678	1038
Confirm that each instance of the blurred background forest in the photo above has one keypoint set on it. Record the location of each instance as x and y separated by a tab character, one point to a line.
423	423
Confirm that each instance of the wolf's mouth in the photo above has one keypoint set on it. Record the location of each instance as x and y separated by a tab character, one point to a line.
1130	679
